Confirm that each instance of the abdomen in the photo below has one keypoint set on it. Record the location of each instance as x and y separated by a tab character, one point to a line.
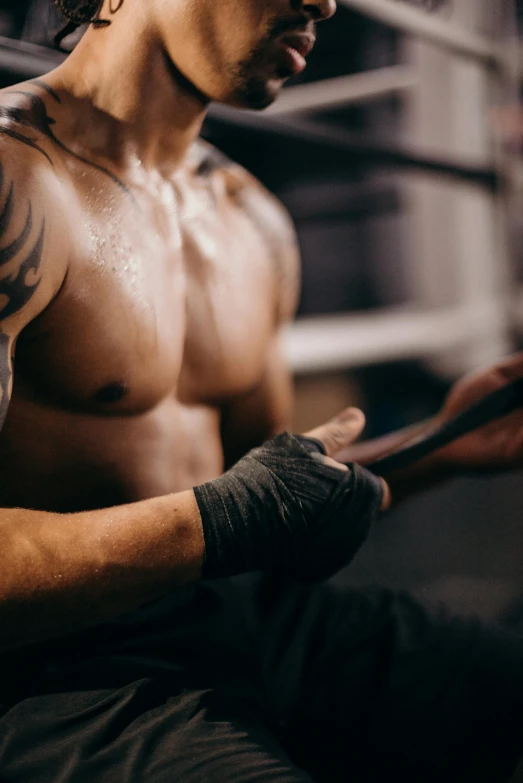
63	461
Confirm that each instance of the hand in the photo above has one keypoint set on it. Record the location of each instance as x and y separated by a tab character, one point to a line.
339	433
499	444
288	508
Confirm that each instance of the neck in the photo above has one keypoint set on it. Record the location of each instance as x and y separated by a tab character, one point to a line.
133	105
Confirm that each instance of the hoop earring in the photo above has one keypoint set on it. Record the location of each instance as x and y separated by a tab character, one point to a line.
119	4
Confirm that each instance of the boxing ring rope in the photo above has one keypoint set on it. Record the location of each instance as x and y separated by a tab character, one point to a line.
406	19
344	90
351	147
321	344
25	60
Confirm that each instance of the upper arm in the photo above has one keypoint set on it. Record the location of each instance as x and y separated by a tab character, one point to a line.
30	273
269	217
279	235
267	409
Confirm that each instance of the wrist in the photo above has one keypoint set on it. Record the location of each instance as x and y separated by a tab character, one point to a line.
282	510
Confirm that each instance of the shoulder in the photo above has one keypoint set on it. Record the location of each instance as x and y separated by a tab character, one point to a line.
270	218
33	253
25	118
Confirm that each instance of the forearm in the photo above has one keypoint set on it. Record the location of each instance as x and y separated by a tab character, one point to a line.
63	572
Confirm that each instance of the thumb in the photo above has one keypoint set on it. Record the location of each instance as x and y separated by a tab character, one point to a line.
340	431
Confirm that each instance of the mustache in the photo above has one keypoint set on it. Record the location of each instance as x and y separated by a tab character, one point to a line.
282	26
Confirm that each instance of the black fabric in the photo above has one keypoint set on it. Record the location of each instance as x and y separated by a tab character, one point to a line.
282	511
313	445
251	679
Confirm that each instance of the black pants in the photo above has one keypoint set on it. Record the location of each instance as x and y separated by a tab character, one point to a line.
251	680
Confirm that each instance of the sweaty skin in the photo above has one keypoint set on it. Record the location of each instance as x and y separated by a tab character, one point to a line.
146	312
167	317
144	280
143	283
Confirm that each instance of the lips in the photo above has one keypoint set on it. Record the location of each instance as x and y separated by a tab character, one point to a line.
303	43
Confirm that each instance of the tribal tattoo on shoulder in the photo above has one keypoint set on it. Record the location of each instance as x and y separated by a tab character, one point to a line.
20	262
33	117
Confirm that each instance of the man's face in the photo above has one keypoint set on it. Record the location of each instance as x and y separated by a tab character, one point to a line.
240	52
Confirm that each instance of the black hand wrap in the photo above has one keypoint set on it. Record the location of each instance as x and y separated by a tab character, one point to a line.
281	510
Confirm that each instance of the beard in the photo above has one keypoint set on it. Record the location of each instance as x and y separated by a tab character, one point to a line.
256	81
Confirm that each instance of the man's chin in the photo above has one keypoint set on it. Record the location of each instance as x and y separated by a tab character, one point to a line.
257	97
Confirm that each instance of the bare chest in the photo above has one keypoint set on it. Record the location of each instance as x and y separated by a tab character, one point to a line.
155	304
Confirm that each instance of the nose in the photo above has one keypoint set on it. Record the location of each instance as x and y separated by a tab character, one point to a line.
319	9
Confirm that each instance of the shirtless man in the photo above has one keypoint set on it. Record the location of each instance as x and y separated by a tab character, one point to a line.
144	280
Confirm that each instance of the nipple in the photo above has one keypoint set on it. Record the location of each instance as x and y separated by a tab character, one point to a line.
112	393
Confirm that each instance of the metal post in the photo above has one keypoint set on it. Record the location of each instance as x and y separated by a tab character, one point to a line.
458	256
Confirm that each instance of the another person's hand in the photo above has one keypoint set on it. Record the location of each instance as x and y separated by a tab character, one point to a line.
288	508
499	444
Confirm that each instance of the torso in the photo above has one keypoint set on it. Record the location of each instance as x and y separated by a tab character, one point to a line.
165	314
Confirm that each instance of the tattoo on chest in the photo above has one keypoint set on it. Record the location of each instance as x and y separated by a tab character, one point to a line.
20	261
33	117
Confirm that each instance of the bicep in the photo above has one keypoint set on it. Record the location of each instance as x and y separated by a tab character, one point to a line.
21	245
257	415
289	282
5	375
28	281
275	225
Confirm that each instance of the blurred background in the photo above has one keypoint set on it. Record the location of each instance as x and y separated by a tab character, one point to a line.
398	154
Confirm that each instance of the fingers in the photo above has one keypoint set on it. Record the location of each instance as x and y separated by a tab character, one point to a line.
340	431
